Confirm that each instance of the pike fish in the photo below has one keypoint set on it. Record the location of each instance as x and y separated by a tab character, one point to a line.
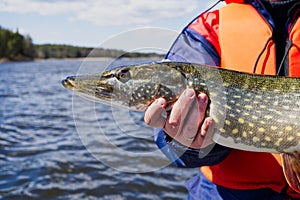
258	113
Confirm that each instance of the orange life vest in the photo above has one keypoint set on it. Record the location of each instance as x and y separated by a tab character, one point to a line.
243	35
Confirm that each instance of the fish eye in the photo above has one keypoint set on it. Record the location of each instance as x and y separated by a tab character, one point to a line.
123	75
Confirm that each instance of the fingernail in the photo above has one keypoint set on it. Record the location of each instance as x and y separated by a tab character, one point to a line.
160	101
173	124
202	98
189	92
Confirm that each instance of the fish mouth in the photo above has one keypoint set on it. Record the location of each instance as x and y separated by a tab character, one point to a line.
104	91
69	82
78	85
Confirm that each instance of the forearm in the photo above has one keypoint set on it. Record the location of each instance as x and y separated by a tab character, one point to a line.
194	47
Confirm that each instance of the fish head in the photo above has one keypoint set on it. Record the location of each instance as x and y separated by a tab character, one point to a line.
131	87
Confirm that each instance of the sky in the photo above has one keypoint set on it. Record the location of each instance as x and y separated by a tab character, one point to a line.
93	23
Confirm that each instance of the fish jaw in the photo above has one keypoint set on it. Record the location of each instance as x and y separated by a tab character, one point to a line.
100	89
89	85
132	88
69	82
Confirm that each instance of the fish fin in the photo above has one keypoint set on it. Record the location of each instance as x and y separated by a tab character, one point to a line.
291	169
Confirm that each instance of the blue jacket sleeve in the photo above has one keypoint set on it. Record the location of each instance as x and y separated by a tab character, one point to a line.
182	156
193	48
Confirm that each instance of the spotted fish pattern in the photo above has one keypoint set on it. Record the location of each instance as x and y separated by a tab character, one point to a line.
251	112
261	111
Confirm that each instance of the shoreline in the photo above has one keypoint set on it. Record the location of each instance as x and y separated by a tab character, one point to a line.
5	60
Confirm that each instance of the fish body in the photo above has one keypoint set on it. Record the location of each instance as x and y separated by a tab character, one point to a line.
251	112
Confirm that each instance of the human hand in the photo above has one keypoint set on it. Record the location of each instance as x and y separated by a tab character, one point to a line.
186	122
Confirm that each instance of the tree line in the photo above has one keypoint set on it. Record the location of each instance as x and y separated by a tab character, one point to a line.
16	47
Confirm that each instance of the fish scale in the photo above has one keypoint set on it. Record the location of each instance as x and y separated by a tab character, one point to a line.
271	117
251	112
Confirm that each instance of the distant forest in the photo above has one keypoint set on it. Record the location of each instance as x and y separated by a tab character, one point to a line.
16	47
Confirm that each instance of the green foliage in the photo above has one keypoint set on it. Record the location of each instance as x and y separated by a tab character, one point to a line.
16	47
61	51
67	51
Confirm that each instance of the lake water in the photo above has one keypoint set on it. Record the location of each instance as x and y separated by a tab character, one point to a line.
56	146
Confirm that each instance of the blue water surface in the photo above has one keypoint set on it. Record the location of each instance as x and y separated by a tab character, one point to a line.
42	155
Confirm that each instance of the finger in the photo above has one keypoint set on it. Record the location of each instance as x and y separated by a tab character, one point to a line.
181	107
155	114
190	124
208	133
203	102
194	118
179	112
205	126
205	134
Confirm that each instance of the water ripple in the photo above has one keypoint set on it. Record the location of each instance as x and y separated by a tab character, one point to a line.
43	157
